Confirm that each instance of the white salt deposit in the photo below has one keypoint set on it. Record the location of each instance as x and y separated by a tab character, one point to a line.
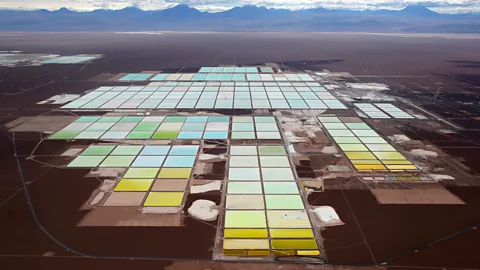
399	138
107	185
331	86
328	216
368	86
204	210
72	152
329	150
97	198
438	177
59	99
214	185
423	153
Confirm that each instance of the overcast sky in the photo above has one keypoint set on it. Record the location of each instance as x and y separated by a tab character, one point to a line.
443	6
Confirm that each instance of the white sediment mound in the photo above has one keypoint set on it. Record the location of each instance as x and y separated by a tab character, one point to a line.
292	138
214	185
345	97
97	198
375	96
418	116
211	158
72	152
438	177
399	138
107	185
368	86
446	131
204	210
106	172
328	216
423	153
329	150
291	149
332	86
59	99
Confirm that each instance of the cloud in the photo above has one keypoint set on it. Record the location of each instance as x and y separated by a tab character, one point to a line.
447	6
211	8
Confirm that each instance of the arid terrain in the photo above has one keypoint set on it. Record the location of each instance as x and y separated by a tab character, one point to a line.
438	74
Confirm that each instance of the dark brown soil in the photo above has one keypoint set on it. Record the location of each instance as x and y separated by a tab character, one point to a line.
390	230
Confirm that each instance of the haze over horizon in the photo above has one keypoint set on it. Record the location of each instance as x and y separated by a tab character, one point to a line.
440	6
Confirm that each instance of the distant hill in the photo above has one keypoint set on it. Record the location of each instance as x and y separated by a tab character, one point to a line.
418	19
417	11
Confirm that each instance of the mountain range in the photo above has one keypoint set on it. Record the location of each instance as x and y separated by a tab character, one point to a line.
412	19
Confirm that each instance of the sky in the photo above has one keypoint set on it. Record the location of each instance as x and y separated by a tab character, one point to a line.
442	6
